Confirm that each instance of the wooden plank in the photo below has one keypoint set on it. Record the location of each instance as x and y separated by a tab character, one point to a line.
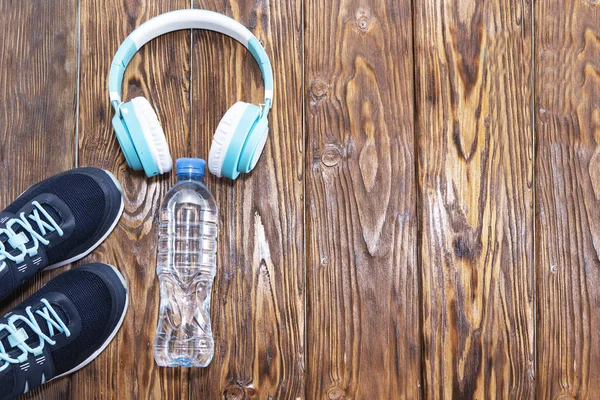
362	273
38	80
475	174
257	301
38	85
567	88
160	72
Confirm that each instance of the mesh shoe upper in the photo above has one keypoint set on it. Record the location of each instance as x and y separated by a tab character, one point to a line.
90	301
86	192
85	203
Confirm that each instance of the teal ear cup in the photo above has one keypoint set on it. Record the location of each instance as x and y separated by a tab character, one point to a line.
253	148
241	132
139	149
126	143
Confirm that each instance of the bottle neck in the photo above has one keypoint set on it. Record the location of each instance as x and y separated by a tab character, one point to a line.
189	176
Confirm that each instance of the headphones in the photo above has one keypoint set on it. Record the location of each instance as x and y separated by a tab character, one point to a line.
240	136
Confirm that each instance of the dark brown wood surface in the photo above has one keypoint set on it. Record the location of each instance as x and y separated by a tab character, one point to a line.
258	298
475	176
443	241
38	109
161	74
362	272
567	111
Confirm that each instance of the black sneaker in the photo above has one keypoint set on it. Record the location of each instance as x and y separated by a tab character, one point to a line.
61	328
56	222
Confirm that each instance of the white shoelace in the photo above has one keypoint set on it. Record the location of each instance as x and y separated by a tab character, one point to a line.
18	337
19	240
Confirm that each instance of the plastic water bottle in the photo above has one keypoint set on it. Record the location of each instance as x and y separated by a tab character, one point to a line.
186	266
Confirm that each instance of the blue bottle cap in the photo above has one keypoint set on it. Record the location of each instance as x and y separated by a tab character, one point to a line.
193	167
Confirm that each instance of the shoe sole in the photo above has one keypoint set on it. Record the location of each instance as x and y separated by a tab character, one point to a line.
112	335
103	238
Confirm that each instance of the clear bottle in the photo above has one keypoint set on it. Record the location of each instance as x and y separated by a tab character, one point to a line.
186	267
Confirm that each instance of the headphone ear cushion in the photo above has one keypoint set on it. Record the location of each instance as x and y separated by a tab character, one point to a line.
153	133
223	135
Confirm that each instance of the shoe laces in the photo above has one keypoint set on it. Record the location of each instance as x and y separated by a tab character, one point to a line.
18	241
18	337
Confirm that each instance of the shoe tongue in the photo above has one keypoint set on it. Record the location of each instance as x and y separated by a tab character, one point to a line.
33	339
54	214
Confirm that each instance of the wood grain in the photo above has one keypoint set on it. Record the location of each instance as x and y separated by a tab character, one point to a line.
38	97
160	72
258	297
568	193
38	93
412	268
475	176
362	273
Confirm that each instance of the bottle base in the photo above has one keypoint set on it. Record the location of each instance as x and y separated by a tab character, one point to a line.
199	359
182	364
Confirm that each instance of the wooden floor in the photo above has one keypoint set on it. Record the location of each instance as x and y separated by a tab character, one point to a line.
424	222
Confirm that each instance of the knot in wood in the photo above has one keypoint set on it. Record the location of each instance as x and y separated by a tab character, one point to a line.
319	89
363	20
237	392
466	247
331	156
335	393
363	24
233	393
